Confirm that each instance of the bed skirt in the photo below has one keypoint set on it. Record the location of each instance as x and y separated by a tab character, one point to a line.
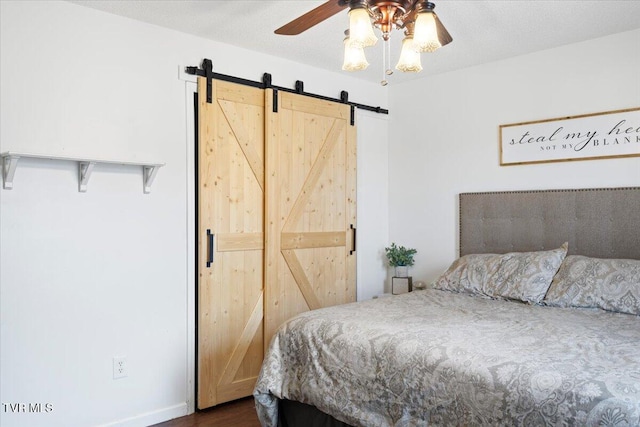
296	414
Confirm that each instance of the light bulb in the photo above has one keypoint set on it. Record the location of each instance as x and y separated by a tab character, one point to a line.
425	37
354	58
360	28
409	57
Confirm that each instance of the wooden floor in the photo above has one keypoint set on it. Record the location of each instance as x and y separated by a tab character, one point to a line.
240	413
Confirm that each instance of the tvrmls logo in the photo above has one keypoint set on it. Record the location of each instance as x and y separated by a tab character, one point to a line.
31	408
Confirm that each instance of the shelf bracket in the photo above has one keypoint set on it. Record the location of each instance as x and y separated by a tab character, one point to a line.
148	175
9	164
84	173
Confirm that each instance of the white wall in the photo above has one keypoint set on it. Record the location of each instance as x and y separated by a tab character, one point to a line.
88	276
373	203
445	132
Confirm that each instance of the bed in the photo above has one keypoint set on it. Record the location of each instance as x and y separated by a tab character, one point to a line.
536	335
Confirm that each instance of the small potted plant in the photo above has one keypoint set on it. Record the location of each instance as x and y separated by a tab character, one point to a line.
401	258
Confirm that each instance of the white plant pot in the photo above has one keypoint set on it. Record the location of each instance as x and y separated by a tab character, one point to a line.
402	271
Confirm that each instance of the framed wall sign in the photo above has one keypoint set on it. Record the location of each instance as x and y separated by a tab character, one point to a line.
589	136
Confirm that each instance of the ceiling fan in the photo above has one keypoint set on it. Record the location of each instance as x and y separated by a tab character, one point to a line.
423	30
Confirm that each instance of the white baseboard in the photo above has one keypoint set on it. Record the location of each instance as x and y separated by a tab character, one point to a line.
150	418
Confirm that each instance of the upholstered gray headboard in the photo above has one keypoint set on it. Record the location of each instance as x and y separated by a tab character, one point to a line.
603	223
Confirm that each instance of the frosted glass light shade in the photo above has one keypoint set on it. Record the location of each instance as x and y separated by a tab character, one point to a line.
360	28
426	33
409	57
354	58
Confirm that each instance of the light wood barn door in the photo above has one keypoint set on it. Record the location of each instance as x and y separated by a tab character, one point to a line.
310	260
230	240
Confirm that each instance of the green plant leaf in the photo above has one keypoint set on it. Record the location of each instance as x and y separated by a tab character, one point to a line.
399	255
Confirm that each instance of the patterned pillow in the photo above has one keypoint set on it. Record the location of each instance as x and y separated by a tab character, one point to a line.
609	284
468	274
523	276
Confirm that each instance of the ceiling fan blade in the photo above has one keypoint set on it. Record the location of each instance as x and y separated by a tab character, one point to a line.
311	18
443	35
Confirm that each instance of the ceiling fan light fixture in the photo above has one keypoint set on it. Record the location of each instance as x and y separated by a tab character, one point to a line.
360	28
354	57
426	29
422	28
409	61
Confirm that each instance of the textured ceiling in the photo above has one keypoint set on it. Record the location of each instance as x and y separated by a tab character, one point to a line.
482	30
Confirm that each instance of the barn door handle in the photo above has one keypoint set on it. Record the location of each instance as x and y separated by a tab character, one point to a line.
353	242
210	238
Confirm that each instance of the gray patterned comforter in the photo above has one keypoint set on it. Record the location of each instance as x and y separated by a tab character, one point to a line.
435	357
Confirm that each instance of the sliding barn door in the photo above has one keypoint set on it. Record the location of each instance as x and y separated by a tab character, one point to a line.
230	239
310	206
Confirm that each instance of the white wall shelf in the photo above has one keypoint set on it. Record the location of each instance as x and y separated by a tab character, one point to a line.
85	168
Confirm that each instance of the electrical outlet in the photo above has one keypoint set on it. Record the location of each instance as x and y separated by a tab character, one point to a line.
120	369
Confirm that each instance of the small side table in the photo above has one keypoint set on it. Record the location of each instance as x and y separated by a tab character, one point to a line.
401	285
